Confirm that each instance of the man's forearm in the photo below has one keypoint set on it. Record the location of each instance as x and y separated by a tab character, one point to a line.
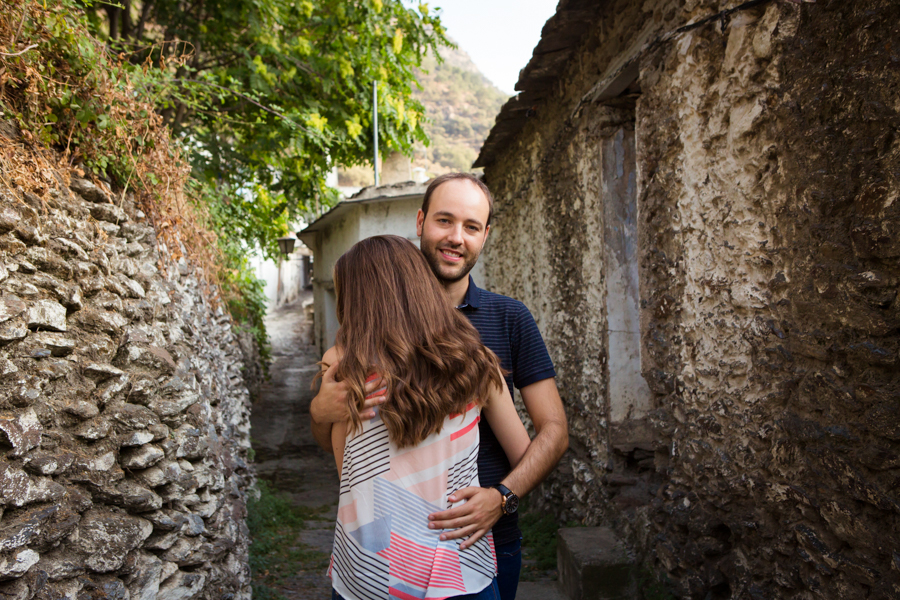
482	509
540	459
321	430
331	406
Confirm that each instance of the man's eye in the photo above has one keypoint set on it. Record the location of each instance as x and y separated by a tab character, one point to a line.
473	229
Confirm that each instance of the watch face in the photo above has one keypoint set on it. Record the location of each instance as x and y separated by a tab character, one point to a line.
512	504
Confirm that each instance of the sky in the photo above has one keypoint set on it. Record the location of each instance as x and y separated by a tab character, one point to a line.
499	35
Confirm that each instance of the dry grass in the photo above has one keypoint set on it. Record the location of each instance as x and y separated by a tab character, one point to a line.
81	111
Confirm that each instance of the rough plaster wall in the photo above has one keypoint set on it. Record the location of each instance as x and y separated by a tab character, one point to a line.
547	249
331	244
397	218
769	173
124	418
768	223
335	240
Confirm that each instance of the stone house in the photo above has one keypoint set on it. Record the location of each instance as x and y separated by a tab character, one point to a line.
373	211
386	209
698	201
285	277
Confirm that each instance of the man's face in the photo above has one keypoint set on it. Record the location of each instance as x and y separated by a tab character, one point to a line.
454	230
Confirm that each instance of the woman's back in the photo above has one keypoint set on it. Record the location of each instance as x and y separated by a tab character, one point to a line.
383	547
400	466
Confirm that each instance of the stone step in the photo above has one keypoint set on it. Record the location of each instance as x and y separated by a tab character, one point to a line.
543	590
594	564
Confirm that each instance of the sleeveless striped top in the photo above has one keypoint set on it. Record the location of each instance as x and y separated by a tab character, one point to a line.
383	548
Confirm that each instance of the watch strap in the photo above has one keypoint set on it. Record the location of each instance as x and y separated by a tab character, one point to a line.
505	495
504	491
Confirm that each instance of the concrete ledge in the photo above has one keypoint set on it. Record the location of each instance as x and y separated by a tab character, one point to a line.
544	590
594	565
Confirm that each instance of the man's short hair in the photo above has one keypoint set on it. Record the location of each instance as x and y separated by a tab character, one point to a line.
442	179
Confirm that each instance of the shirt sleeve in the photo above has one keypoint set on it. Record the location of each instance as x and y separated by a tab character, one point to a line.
531	361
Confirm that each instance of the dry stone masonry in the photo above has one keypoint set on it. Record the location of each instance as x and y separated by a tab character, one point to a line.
724	186
124	417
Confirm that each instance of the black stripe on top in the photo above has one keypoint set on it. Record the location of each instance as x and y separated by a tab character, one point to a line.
373	587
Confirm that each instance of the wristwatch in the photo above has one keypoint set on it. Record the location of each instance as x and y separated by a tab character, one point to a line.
509	502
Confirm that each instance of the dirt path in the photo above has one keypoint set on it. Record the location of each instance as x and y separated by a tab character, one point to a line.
288	457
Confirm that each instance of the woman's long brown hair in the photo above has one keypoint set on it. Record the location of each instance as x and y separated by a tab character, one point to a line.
396	320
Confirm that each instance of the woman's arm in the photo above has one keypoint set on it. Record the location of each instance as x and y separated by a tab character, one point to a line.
482	507
338	438
501	415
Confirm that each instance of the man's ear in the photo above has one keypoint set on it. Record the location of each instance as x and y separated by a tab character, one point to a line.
420	222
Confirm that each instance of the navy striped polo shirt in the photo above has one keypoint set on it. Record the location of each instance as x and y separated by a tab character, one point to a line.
506	327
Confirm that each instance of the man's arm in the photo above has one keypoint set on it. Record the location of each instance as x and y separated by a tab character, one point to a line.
551	438
331	406
321	430
482	508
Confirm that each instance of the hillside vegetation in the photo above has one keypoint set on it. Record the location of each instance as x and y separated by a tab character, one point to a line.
460	105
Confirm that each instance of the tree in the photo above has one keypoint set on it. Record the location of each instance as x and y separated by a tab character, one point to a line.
268	95
263	96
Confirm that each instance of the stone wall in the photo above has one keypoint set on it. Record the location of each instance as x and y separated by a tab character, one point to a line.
124	418
767	165
550	247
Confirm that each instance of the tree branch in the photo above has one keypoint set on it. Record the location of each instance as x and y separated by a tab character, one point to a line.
20	52
142	22
15	39
112	14
126	19
247	98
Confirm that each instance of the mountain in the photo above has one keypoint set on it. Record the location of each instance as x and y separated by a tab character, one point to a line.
460	104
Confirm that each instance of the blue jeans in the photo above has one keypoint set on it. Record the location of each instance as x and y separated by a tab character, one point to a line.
491	592
509	565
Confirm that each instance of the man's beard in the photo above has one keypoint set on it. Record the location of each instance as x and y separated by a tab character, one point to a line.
432	255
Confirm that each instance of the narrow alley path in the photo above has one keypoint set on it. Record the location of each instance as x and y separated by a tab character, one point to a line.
288	457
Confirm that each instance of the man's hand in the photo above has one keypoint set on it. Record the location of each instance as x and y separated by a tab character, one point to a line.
474	518
331	406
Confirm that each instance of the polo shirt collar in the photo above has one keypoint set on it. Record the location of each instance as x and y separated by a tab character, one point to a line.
473	296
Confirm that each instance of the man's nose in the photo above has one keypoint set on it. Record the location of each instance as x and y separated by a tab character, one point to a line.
455	237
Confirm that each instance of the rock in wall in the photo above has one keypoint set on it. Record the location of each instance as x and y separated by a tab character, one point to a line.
767	160
124	418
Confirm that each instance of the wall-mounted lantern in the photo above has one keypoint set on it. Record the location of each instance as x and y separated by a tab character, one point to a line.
286	244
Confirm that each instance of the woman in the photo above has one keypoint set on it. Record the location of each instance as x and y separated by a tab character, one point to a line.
422	445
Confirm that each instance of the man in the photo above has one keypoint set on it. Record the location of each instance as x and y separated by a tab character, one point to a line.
453	225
